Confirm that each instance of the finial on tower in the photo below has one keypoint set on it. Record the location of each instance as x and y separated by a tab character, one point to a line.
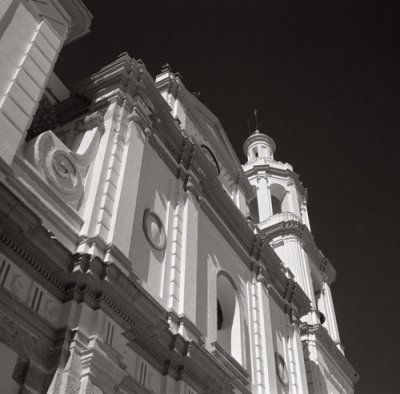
255	116
258	145
257	125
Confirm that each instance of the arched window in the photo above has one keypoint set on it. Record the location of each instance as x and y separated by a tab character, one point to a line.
229	330
278	199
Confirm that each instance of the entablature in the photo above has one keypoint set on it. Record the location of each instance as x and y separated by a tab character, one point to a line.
268	167
294	227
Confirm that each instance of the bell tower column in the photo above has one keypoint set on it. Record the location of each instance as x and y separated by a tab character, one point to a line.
263	196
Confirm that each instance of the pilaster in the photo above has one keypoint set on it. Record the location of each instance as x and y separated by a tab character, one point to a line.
189	266
90	365
264	336
103	181
304	214
296	361
29	46
175	279
130	174
113	171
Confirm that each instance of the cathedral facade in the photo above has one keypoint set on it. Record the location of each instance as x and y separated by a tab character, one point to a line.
137	254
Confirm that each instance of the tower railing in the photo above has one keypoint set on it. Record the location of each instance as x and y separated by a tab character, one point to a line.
278	218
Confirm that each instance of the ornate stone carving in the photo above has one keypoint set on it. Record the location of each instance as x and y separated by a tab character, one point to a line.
62	168
28	291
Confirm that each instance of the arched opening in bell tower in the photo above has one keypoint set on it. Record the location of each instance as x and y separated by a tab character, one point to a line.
278	199
276	205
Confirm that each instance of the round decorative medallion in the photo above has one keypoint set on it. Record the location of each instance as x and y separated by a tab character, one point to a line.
210	156
154	230
281	369
61	172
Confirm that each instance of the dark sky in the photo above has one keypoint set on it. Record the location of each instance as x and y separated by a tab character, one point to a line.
325	78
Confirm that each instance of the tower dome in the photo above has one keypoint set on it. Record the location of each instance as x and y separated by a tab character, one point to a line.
259	145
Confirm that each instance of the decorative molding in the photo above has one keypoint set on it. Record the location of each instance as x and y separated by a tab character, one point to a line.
47	276
27	291
154	230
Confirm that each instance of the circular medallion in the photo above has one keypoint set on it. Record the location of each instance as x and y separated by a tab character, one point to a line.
62	173
154	230
281	369
210	156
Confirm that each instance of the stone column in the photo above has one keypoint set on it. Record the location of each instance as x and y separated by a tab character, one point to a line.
263	198
293	200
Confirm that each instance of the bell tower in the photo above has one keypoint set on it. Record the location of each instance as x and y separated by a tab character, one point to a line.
279	190
282	219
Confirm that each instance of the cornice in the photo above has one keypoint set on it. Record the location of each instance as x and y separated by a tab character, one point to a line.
286	292
19	225
239	375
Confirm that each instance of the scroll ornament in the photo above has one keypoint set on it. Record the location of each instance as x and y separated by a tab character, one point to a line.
62	168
